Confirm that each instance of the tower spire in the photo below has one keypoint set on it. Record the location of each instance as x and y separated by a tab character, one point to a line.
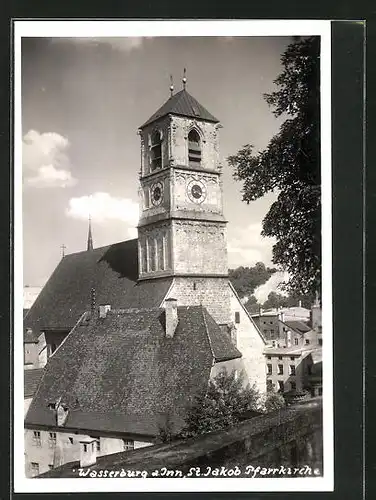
89	237
184	78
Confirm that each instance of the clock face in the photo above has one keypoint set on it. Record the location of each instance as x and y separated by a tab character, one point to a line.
157	193
196	191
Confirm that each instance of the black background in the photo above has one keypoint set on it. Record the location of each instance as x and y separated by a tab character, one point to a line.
352	213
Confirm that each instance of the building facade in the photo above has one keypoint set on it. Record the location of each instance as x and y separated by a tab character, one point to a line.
134	330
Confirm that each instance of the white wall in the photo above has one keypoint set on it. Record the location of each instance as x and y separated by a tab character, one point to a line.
250	343
66	451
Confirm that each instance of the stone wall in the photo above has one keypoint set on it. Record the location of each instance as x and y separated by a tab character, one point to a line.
208	132
199	247
212	293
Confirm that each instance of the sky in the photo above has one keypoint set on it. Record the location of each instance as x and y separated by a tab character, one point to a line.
83	100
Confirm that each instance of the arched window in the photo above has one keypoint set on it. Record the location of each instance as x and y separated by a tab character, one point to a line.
194	148
156	151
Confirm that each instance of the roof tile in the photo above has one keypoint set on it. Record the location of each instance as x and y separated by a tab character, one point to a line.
111	270
123	374
32	378
182	104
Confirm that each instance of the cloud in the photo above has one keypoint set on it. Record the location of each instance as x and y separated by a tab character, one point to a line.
44	160
102	207
246	246
123	44
272	285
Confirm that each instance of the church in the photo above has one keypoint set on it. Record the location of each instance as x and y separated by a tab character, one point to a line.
134	330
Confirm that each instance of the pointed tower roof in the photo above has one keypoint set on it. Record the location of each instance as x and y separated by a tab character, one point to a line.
89	238
182	104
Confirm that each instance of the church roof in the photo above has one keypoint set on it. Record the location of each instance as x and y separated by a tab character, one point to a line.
31	380
182	104
111	270
121	373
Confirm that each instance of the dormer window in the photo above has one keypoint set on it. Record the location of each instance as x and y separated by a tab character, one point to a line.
156	151
194	148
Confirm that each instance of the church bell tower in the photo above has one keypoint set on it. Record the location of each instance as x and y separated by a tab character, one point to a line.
182	230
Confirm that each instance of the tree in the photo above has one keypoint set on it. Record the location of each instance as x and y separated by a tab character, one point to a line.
276	300
166	429
290	166
246	279
252	305
274	401
224	403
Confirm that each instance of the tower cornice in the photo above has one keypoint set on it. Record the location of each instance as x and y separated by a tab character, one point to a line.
180	215
186	168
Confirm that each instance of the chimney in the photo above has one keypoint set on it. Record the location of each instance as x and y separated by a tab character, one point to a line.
282	316
88	452
172	320
103	310
300	303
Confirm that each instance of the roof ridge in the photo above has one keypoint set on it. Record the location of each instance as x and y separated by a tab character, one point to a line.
203	311
247	312
98	249
81	318
181	104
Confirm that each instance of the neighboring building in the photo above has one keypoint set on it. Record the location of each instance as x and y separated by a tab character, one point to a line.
269	321
35	350
291	369
298	334
30	293
133	331
31	381
316	316
314	368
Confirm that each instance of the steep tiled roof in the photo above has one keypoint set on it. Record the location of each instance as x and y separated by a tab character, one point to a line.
31	337
111	270
122	373
31	380
298	326
182	104
220	342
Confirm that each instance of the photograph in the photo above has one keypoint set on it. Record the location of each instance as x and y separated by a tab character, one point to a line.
173	256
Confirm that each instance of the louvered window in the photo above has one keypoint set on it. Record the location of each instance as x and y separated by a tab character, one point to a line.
156	151
194	148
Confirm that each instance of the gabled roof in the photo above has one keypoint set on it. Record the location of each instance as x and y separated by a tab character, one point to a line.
111	270
31	380
221	345
182	104
298	326
122	374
